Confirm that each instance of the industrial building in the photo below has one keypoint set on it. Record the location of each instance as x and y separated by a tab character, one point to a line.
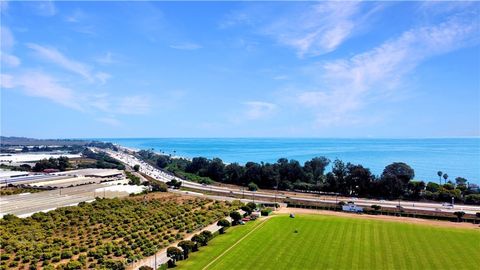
95	173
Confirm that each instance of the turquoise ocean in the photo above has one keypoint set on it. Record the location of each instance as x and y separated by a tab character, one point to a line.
454	156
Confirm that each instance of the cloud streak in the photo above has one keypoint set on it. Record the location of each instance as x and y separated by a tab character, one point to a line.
311	29
7	44
38	84
348	85
258	109
185	46
56	57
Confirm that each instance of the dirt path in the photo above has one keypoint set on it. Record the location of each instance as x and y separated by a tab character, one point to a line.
437	223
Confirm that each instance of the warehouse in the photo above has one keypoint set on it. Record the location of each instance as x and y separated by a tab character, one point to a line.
95	173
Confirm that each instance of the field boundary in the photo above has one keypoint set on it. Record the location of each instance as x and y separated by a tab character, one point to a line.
410	220
236	243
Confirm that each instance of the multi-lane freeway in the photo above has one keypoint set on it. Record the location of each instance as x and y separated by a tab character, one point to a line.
149	170
24	205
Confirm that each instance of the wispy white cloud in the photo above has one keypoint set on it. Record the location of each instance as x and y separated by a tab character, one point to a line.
311	29
186	46
9	59
6	46
6	81
348	85
56	57
39	84
75	17
44	8
318	30
259	109
102	77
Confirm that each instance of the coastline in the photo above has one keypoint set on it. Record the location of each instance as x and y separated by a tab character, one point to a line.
458	157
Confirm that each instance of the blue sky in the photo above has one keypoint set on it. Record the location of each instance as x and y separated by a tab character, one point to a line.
240	69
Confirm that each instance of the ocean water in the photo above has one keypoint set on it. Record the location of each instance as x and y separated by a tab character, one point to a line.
454	156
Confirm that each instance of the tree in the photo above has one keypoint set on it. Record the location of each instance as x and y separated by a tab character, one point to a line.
445	177
174	183
136	167
236	217
162	161
199	240
460	181
216	170
395	178
252	186
114	265
198	164
63	163
459	215
133	179
158	186
316	167
187	246
432	187
376	207
174	254
207	236
252	205
247	209
415	189
339	173
223	223
234	173
439	173
358	180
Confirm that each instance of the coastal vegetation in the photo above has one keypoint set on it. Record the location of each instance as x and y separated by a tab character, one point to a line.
61	164
4	191
396	181
329	242
105	234
103	160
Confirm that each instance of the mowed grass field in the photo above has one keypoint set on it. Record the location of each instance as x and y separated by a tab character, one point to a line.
327	242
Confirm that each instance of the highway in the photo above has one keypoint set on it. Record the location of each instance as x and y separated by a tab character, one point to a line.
24	205
281	196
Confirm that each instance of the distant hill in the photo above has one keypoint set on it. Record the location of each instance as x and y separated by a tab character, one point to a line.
30	141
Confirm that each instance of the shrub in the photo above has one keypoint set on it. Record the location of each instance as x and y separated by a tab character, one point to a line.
71	265
266	211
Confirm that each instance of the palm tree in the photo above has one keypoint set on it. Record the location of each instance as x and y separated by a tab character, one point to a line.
440	173
445	176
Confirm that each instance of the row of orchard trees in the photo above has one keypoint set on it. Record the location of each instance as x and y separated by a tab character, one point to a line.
396	180
185	247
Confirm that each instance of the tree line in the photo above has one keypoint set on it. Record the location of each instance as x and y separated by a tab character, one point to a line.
396	180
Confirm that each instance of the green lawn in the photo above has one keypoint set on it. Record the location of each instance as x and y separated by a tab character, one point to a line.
326	242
